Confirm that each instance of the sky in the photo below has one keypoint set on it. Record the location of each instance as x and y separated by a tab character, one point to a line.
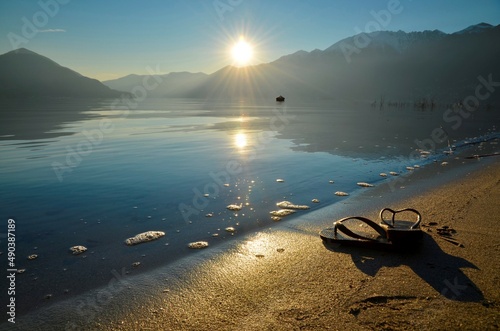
111	39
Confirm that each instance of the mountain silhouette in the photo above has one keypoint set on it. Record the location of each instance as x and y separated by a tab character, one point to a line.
24	73
397	66
174	84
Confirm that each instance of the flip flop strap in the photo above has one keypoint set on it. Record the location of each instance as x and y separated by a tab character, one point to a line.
338	225
416	225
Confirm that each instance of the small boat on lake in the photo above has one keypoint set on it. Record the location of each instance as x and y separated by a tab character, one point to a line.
280	98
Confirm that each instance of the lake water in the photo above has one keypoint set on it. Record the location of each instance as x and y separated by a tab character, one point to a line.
95	173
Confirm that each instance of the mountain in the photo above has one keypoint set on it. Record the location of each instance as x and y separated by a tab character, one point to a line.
395	66
390	65
398	41
399	65
478	28
24	73
173	84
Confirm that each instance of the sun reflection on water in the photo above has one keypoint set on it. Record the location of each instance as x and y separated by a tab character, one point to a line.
240	140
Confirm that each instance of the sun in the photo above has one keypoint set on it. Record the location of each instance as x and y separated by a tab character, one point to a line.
242	52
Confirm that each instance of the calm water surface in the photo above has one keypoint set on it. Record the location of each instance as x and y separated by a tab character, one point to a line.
91	173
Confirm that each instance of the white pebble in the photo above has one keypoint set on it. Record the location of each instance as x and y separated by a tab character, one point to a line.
78	249
235	207
144	237
289	205
282	212
198	244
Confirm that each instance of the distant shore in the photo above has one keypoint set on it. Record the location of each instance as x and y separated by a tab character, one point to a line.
285	279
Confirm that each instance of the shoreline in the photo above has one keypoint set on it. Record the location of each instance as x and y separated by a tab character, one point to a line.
63	225
284	278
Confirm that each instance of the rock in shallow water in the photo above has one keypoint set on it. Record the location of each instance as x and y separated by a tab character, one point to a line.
289	205
144	237
235	207
198	244
282	212
78	249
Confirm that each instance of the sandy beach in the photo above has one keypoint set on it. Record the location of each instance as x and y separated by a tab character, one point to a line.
287	279
284	278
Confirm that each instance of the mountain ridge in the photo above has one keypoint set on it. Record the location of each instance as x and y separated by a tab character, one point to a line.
418	65
383	64
24	73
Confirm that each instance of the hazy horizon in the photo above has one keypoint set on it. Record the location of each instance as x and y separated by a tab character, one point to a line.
114	39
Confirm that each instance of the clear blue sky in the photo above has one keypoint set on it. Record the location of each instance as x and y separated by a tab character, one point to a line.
110	39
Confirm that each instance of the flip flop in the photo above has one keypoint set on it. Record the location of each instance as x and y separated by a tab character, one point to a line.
340	234
401	232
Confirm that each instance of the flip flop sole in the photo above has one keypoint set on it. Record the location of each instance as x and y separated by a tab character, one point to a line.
329	237
404	237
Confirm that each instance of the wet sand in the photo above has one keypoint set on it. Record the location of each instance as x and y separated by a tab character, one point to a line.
284	278
287	279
